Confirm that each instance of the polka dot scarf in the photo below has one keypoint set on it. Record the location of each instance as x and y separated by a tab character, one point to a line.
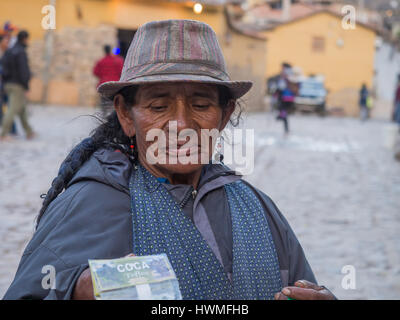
160	226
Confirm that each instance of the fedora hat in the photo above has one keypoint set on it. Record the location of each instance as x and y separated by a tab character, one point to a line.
174	51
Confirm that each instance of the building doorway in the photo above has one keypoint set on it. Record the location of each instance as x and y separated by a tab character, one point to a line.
125	37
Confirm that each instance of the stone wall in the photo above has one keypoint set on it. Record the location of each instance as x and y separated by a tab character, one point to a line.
75	52
345	100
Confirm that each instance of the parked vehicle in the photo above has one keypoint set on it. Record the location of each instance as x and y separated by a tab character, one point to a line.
311	95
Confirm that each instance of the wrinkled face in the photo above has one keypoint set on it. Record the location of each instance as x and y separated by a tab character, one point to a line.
175	125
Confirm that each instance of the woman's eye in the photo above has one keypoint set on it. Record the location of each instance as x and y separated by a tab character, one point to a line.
201	106
158	108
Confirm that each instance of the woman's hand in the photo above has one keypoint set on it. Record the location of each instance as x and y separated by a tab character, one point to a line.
305	290
84	287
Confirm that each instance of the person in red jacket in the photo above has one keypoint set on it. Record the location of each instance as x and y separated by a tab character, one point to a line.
108	68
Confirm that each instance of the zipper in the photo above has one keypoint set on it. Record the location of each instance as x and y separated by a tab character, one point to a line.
191	192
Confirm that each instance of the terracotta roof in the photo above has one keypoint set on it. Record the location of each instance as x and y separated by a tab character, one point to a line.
240	28
296	10
211	2
367	26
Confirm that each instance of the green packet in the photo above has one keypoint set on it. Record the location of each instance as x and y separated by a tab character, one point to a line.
134	278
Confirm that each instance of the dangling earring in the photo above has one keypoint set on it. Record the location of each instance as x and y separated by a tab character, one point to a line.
132	152
131	147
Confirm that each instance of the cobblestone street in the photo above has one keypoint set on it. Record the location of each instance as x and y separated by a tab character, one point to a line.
332	178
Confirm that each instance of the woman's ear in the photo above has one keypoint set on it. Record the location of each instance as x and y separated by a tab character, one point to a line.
124	115
227	113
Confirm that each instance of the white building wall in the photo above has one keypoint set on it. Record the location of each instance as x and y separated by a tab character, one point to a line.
387	69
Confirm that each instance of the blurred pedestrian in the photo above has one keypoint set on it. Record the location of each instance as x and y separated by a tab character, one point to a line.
4	44
108	68
285	95
396	109
16	76
9	31
363	102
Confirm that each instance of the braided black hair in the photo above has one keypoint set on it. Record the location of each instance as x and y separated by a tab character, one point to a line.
109	134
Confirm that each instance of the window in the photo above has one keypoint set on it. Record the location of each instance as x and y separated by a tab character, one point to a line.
318	44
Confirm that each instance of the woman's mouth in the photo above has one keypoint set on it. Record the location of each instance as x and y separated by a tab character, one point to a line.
183	151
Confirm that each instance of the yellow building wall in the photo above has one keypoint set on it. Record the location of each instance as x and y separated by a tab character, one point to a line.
74	13
245	58
24	14
345	68
27	14
255	2
129	14
132	14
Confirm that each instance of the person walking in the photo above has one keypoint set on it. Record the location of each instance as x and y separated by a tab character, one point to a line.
286	94
108	68
4	45
364	94
16	76
396	109
396	118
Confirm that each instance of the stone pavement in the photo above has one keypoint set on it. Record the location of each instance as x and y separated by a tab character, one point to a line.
339	188
332	178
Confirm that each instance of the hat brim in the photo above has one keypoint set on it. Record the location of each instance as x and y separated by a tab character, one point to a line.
237	88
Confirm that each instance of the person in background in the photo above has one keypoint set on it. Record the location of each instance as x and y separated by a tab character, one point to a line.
4	44
286	93
9	31
364	94
16	76
108	68
396	109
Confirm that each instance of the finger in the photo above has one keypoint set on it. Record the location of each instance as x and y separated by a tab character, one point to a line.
306	294
307	284
86	275
130	255
87	278
84	288
280	296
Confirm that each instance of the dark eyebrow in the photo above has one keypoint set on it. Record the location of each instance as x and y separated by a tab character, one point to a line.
155	94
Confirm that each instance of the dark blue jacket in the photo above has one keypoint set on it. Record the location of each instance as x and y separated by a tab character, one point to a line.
15	66
92	219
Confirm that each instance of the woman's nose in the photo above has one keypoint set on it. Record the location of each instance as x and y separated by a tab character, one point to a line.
182	115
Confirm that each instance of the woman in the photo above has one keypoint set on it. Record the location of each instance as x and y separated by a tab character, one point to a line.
4	45
224	238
